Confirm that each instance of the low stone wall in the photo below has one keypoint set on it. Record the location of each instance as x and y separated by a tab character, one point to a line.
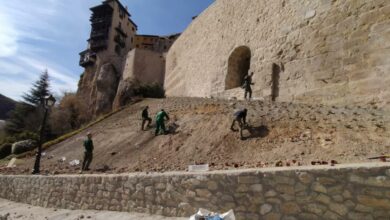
343	192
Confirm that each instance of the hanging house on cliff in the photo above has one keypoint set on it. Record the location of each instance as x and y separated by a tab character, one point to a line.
116	57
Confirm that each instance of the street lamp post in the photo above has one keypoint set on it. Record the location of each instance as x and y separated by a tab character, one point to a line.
48	102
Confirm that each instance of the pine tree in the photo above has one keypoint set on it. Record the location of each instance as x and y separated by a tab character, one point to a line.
39	90
27	114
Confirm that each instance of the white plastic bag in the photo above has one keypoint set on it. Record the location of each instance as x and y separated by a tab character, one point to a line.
204	212
74	163
228	215
198	168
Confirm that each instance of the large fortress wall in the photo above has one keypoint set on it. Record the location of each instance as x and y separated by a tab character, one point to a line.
323	50
342	192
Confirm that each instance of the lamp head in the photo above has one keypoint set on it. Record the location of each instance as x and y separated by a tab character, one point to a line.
50	101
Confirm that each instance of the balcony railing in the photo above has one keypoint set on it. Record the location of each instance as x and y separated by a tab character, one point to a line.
97	45
87	58
98	19
119	29
99	34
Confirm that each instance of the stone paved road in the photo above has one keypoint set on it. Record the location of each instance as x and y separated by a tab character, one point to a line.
22	211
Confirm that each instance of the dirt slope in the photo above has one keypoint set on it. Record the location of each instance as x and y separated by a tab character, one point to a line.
200	134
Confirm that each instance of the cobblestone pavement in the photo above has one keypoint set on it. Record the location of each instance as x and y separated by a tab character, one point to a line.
11	210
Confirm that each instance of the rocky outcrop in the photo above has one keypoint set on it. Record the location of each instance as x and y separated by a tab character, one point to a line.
124	93
111	85
23	146
142	67
106	86
303	51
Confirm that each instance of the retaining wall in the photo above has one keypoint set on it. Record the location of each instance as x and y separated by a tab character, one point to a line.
343	192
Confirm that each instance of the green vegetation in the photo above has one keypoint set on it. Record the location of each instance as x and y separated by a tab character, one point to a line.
25	120
27	115
6	106
49	144
6	141
5	150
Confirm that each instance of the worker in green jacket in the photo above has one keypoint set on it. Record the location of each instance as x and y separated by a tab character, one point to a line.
88	152
160	121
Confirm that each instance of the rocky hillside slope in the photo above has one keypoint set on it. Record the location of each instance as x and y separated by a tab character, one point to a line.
6	105
295	134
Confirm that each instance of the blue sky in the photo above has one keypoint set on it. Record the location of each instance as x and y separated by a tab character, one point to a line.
48	34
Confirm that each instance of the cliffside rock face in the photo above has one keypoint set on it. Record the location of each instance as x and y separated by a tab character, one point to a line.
98	84
141	67
110	85
304	51
124	93
106	86
86	86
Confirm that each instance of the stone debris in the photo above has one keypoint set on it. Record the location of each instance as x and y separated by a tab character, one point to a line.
11	163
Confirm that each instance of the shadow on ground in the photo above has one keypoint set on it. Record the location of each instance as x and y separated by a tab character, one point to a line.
257	132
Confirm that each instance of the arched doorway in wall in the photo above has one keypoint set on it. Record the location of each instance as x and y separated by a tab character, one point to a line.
238	66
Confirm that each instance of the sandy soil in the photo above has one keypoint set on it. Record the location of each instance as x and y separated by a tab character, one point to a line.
287	134
11	210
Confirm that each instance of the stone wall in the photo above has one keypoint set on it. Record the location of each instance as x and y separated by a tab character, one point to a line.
142	67
342	192
322	50
145	66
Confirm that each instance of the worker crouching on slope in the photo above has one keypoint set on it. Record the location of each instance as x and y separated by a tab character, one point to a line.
88	152
240	117
160	123
145	118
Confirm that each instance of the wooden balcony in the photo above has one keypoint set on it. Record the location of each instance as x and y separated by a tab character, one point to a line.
98	45
87	58
99	34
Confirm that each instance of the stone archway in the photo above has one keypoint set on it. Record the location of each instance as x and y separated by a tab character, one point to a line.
238	66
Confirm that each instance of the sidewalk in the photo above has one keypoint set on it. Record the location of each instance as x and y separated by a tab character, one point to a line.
23	212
